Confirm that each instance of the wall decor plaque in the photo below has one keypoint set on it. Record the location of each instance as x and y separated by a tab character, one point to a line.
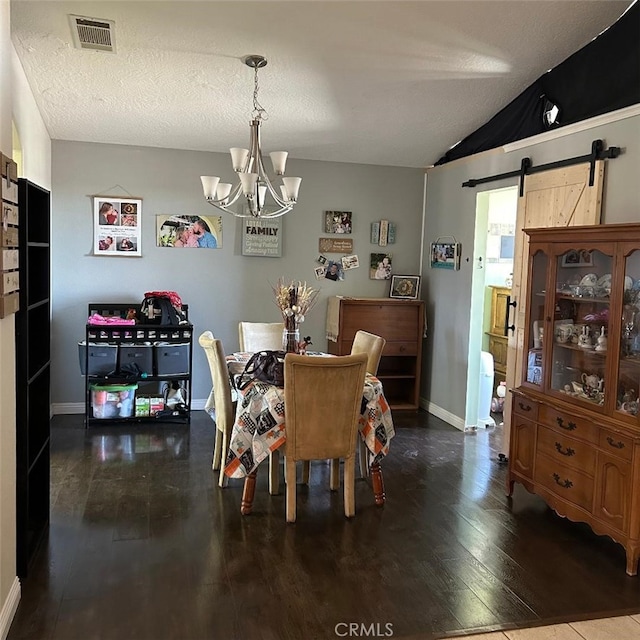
336	245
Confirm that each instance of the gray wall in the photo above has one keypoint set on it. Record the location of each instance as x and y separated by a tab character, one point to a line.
221	286
451	209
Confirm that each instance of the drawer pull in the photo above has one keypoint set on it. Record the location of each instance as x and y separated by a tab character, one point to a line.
565	484
567	452
614	444
524	407
570	425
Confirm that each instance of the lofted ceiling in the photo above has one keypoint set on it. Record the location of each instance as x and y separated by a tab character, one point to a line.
374	82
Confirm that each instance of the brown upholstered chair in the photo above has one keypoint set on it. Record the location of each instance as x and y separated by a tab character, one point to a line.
223	404
256	336
372	345
322	408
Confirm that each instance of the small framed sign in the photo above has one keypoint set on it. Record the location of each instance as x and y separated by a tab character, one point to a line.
445	255
262	237
406	287
335	245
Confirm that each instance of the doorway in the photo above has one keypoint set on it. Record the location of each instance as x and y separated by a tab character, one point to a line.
493	248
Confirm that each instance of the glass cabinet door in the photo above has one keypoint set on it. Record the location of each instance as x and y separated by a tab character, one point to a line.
535	340
581	325
629	367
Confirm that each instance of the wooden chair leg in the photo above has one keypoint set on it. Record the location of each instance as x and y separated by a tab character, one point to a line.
217	450
306	471
334	474
349	486
363	455
248	493
290	474
378	484
274	472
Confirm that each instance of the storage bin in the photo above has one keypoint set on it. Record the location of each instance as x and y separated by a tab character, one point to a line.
102	360
136	354
171	359
113	400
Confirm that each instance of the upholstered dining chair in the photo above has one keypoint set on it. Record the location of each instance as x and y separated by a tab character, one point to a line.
259	336
372	345
224	409
322	405
256	336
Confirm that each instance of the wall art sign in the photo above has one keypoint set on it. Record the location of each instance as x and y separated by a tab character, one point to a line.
117	225
189	232
383	233
445	255
335	245
406	287
337	221
262	237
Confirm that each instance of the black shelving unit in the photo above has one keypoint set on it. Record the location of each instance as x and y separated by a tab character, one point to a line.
150	336
33	374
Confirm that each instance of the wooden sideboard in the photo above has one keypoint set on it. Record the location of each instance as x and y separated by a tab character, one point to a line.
401	324
496	333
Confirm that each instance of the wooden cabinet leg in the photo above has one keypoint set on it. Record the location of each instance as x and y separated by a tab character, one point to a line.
378	483
509	485
633	554
248	492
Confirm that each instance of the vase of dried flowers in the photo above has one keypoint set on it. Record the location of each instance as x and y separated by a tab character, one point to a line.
294	300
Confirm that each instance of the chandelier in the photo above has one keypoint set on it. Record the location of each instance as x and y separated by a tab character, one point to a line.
261	198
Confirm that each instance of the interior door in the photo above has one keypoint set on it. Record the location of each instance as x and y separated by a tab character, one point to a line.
555	198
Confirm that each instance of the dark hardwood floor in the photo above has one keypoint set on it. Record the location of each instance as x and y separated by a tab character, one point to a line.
144	545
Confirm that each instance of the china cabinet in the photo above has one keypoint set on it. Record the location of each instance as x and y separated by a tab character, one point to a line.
575	436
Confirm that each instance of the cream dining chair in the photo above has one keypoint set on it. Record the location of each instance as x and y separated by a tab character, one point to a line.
322	406
372	345
257	336
222	402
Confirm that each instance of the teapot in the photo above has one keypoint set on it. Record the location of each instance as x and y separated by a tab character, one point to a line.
592	381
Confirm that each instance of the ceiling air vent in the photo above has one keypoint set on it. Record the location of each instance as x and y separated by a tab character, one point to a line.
93	33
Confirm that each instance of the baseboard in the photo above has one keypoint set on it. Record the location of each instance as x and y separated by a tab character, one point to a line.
9	608
443	414
67	408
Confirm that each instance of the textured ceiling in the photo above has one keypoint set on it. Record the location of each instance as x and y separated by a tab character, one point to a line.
390	83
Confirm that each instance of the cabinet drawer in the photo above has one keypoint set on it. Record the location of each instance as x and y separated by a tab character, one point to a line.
567	451
525	407
8	236
570	484
9	282
566	423
391	321
400	349
616	444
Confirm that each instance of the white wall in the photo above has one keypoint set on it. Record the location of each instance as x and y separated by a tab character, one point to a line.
451	209
221	286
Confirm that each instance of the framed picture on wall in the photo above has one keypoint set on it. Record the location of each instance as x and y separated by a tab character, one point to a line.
117	225
405	287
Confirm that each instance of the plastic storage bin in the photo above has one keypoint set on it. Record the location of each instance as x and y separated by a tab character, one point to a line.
485	391
102	360
171	359
113	400
131	355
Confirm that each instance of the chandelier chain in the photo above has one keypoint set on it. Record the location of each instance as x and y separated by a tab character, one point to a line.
259	112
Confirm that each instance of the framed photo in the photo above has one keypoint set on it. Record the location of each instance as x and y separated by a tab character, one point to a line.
445	255
334	271
406	287
380	266
337	221
350	262
117	224
190	232
577	258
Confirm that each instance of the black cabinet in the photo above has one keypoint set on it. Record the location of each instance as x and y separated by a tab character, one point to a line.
33	375
135	372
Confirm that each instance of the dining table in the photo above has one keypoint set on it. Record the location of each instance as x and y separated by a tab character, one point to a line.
259	428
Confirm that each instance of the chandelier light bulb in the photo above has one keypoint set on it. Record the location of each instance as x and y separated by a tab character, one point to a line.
209	185
279	161
223	191
239	159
